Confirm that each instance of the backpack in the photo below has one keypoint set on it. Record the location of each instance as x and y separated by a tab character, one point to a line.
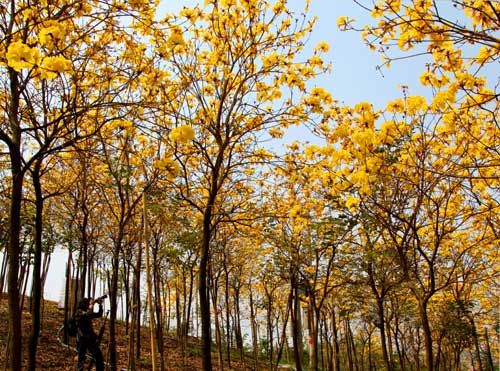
71	326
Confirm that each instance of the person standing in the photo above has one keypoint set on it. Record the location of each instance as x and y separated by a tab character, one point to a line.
86	338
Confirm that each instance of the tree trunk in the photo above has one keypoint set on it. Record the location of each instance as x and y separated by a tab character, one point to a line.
381	326
488	352
67	294
113	294
476	344
348	342
296	324
427	335
270	332
237	326
336	347
3	272
206	337
13	253
158	308
228	320
36	287
218	338
149	285
253	327
398	348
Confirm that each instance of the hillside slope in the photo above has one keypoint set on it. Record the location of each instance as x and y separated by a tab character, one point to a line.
52	355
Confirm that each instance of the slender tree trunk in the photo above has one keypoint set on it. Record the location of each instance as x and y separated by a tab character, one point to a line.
253	327
398	348
137	308
139	311
218	337
282	340
131	340
389	343
67	294
270	337
14	251
336	346
488	352
149	286
381	326
24	281
14	247
206	337
113	295
158	308
427	336
3	272
348	342
476	344
36	287
296	324
237	326
179	317
370	359
189	307
228	320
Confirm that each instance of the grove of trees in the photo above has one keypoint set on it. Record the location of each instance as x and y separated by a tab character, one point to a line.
140	142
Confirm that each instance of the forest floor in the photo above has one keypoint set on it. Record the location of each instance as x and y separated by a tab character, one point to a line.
52	355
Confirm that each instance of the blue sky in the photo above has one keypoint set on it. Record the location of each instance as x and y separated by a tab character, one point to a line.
354	77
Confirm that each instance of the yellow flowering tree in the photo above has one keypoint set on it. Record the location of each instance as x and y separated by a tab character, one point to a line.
236	68
460	43
396	175
60	77
447	145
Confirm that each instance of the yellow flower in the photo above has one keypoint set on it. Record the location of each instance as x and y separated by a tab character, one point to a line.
342	22
323	46
352	203
190	14
415	104
51	33
396	106
51	66
169	165
182	134
176	39
20	55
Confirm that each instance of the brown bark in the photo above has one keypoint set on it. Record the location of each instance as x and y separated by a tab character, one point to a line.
14	247
37	267
429	358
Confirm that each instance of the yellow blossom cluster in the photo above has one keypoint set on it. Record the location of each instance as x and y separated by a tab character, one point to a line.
182	134
20	56
51	66
176	39
51	33
168	165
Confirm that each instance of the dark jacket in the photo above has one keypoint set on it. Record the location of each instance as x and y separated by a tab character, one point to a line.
84	322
